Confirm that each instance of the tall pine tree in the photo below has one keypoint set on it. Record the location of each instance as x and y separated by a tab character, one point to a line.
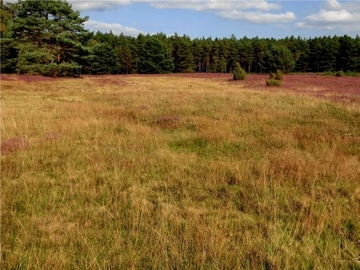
154	57
50	35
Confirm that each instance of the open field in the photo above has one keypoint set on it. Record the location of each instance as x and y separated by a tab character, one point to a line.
180	172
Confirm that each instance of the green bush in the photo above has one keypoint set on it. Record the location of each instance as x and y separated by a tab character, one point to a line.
350	73
328	73
239	73
273	82
278	75
340	73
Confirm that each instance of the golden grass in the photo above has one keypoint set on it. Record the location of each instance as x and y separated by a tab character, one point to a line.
175	173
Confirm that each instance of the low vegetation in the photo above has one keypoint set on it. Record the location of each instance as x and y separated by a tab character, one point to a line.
341	73
164	172
275	78
239	73
273	82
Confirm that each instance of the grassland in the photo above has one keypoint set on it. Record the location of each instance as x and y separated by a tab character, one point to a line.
156	172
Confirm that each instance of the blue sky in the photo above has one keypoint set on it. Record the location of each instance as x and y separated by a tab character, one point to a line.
221	18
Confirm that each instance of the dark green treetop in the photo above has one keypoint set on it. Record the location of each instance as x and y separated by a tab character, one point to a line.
154	57
48	32
278	57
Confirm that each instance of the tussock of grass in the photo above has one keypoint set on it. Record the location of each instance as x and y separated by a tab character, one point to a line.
153	174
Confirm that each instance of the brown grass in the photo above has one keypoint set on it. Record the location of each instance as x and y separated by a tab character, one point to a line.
169	172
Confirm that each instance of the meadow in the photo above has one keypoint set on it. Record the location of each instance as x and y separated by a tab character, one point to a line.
180	172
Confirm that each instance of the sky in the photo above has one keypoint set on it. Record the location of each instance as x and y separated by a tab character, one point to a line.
222	18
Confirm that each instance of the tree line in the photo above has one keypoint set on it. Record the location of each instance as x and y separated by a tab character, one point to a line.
48	37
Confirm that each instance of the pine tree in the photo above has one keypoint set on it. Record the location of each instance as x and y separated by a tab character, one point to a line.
154	57
239	73
103	60
48	32
125	58
182	55
278	57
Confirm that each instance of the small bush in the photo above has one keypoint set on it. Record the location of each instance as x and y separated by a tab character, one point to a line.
350	73
275	78
279	75
340	73
328	73
273	82
239	73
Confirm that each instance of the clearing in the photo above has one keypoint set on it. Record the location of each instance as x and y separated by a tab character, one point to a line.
181	171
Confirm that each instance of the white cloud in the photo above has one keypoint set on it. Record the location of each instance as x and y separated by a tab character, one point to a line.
333	4
97	5
325	16
252	10
216	5
337	18
114	27
259	17
199	5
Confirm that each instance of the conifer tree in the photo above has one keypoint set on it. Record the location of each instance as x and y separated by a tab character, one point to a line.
48	32
103	60
154	57
239	73
183	57
278	57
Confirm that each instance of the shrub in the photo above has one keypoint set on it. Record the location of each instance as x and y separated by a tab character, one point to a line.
328	73
340	73
239	73
278	75
273	82
350	73
275	78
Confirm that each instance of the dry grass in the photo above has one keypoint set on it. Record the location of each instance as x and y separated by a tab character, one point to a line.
177	173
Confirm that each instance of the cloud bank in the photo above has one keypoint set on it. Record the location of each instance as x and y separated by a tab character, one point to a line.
253	11
116	28
335	17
